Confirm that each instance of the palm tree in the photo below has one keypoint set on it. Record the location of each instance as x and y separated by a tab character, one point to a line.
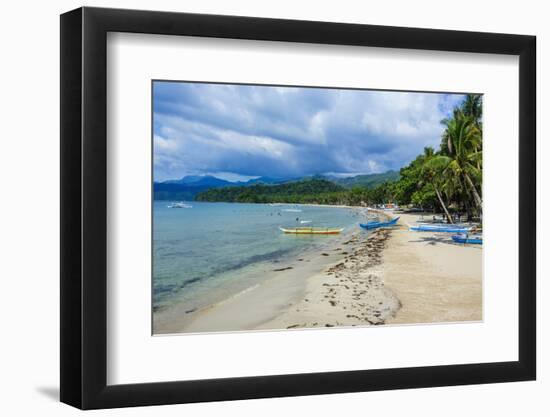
464	156
472	107
433	172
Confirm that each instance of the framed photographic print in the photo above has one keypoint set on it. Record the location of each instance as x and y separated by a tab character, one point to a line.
257	208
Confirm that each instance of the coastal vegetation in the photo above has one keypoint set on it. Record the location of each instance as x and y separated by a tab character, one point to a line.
313	190
448	179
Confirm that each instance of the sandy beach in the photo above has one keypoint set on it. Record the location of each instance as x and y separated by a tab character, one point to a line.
435	279
389	276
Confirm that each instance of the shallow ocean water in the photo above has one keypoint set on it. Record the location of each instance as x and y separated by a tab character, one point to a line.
206	253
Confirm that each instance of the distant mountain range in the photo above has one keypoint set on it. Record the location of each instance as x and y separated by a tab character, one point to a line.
211	181
188	187
199	181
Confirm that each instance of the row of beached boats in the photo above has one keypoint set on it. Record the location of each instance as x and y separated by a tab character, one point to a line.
440	228
462	233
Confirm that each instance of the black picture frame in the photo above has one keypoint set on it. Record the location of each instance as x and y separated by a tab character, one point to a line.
84	207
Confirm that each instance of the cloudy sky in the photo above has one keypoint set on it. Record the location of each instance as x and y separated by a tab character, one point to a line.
238	131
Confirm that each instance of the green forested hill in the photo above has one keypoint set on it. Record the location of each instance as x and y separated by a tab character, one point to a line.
367	181
306	191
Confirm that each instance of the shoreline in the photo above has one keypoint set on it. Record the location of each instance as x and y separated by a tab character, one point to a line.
385	277
275	204
251	266
284	285
350	292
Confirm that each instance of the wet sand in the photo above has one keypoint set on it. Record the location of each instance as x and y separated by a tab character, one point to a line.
284	285
350	292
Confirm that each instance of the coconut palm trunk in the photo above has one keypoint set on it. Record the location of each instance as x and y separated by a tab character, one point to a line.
449	218
477	198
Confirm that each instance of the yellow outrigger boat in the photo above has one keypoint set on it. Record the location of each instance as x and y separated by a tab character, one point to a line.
311	230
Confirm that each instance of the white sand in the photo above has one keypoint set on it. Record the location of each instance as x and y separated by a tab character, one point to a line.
435	279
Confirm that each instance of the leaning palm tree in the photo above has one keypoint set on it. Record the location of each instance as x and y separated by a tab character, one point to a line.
464	156
433	172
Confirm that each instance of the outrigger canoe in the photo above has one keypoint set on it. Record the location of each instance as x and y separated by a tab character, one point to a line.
376	224
440	228
311	230
465	238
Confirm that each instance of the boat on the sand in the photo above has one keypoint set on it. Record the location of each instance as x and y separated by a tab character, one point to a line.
440	228
466	238
376	224
311	230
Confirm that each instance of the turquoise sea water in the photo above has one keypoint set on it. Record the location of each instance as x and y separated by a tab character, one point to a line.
212	250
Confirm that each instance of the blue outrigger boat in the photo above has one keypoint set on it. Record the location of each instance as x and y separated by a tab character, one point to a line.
440	228
377	224
464	238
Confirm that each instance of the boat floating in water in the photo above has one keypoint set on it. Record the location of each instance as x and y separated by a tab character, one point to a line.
466	238
440	228
377	224
311	230
293	210
179	204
